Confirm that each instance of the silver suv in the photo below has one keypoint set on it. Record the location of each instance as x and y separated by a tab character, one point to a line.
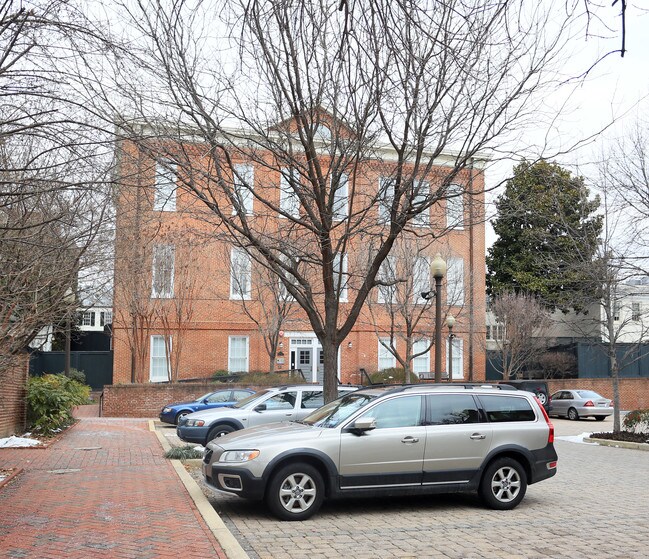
281	403
391	440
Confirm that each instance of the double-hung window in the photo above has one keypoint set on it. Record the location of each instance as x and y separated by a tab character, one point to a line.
240	274
636	311
455	281
420	363
386	197
387	274
244	176
164	198
387	359
238	354
454	207
420	278
458	357
163	272
340	276
289	202
341	195
159	368
421	191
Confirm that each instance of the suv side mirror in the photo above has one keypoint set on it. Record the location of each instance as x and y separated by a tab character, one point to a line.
363	424
260	407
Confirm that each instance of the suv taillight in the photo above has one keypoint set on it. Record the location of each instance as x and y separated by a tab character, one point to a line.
589	404
547	420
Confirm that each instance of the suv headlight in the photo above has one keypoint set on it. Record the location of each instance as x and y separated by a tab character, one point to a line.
195	423
239	455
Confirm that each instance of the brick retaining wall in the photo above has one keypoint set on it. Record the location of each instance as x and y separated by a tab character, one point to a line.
146	400
634	392
13	389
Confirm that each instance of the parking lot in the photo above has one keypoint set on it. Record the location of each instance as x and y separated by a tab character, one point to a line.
594	507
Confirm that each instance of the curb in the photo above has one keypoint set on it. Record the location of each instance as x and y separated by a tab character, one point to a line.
617	444
13	475
231	547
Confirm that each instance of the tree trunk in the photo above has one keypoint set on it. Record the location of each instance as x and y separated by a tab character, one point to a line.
330	357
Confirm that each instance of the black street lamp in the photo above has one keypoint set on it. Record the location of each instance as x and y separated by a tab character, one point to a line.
438	270
450	322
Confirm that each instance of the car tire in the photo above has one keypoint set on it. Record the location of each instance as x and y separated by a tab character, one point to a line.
600	417
295	492
182	414
572	414
543	398
504	484
219	431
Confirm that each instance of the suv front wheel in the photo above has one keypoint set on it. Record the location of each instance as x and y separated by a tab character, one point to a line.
503	484
295	492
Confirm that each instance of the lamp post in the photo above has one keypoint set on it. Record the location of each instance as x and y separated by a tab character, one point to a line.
438	270
450	322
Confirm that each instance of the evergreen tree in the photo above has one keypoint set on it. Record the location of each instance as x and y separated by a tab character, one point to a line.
547	229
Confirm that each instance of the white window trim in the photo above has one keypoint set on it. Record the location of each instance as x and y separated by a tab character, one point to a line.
341	198
247	366
458	354
424	359
420	278
344	278
455	206
422	219
166	176
384	354
289	203
385	198
240	261
386	273
167	291
151	357
244	189
455	291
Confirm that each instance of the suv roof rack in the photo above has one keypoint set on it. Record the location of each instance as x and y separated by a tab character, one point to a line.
394	388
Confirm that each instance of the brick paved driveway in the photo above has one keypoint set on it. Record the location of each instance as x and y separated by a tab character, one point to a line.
103	491
595	507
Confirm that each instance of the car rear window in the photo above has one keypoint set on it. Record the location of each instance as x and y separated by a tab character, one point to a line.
588	394
507	408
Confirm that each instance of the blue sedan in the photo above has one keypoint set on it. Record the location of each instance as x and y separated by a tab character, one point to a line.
219	399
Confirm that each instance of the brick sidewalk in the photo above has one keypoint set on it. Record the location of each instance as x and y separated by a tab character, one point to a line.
104	490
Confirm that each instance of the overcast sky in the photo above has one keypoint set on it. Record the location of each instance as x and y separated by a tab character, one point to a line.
593	113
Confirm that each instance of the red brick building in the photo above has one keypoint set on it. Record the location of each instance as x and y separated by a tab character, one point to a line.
187	298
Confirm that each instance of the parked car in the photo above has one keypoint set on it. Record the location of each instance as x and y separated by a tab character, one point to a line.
575	404
283	403
391	440
171	413
537	387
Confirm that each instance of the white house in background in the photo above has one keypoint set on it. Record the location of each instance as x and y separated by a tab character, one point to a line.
94	319
630	312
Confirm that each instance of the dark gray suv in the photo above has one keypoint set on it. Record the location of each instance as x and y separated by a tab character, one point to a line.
391	440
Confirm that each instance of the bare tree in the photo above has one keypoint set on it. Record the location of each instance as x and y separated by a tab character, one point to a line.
321	102
525	322
54	176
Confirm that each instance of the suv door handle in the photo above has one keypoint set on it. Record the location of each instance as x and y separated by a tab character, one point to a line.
478	436
410	440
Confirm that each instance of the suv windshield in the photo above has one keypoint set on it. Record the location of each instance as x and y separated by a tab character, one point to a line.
243	403
334	413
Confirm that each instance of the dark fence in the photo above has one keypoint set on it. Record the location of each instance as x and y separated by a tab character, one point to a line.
97	365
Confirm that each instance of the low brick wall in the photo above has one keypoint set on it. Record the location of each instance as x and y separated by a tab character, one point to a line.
13	389
634	392
146	400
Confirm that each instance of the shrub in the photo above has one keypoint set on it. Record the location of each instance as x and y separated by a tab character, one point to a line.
79	376
637	421
394	375
50	400
186	452
270	379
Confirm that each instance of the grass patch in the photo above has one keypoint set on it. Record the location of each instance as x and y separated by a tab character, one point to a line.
187	452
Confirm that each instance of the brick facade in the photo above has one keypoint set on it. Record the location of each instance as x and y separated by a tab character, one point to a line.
203	261
13	389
